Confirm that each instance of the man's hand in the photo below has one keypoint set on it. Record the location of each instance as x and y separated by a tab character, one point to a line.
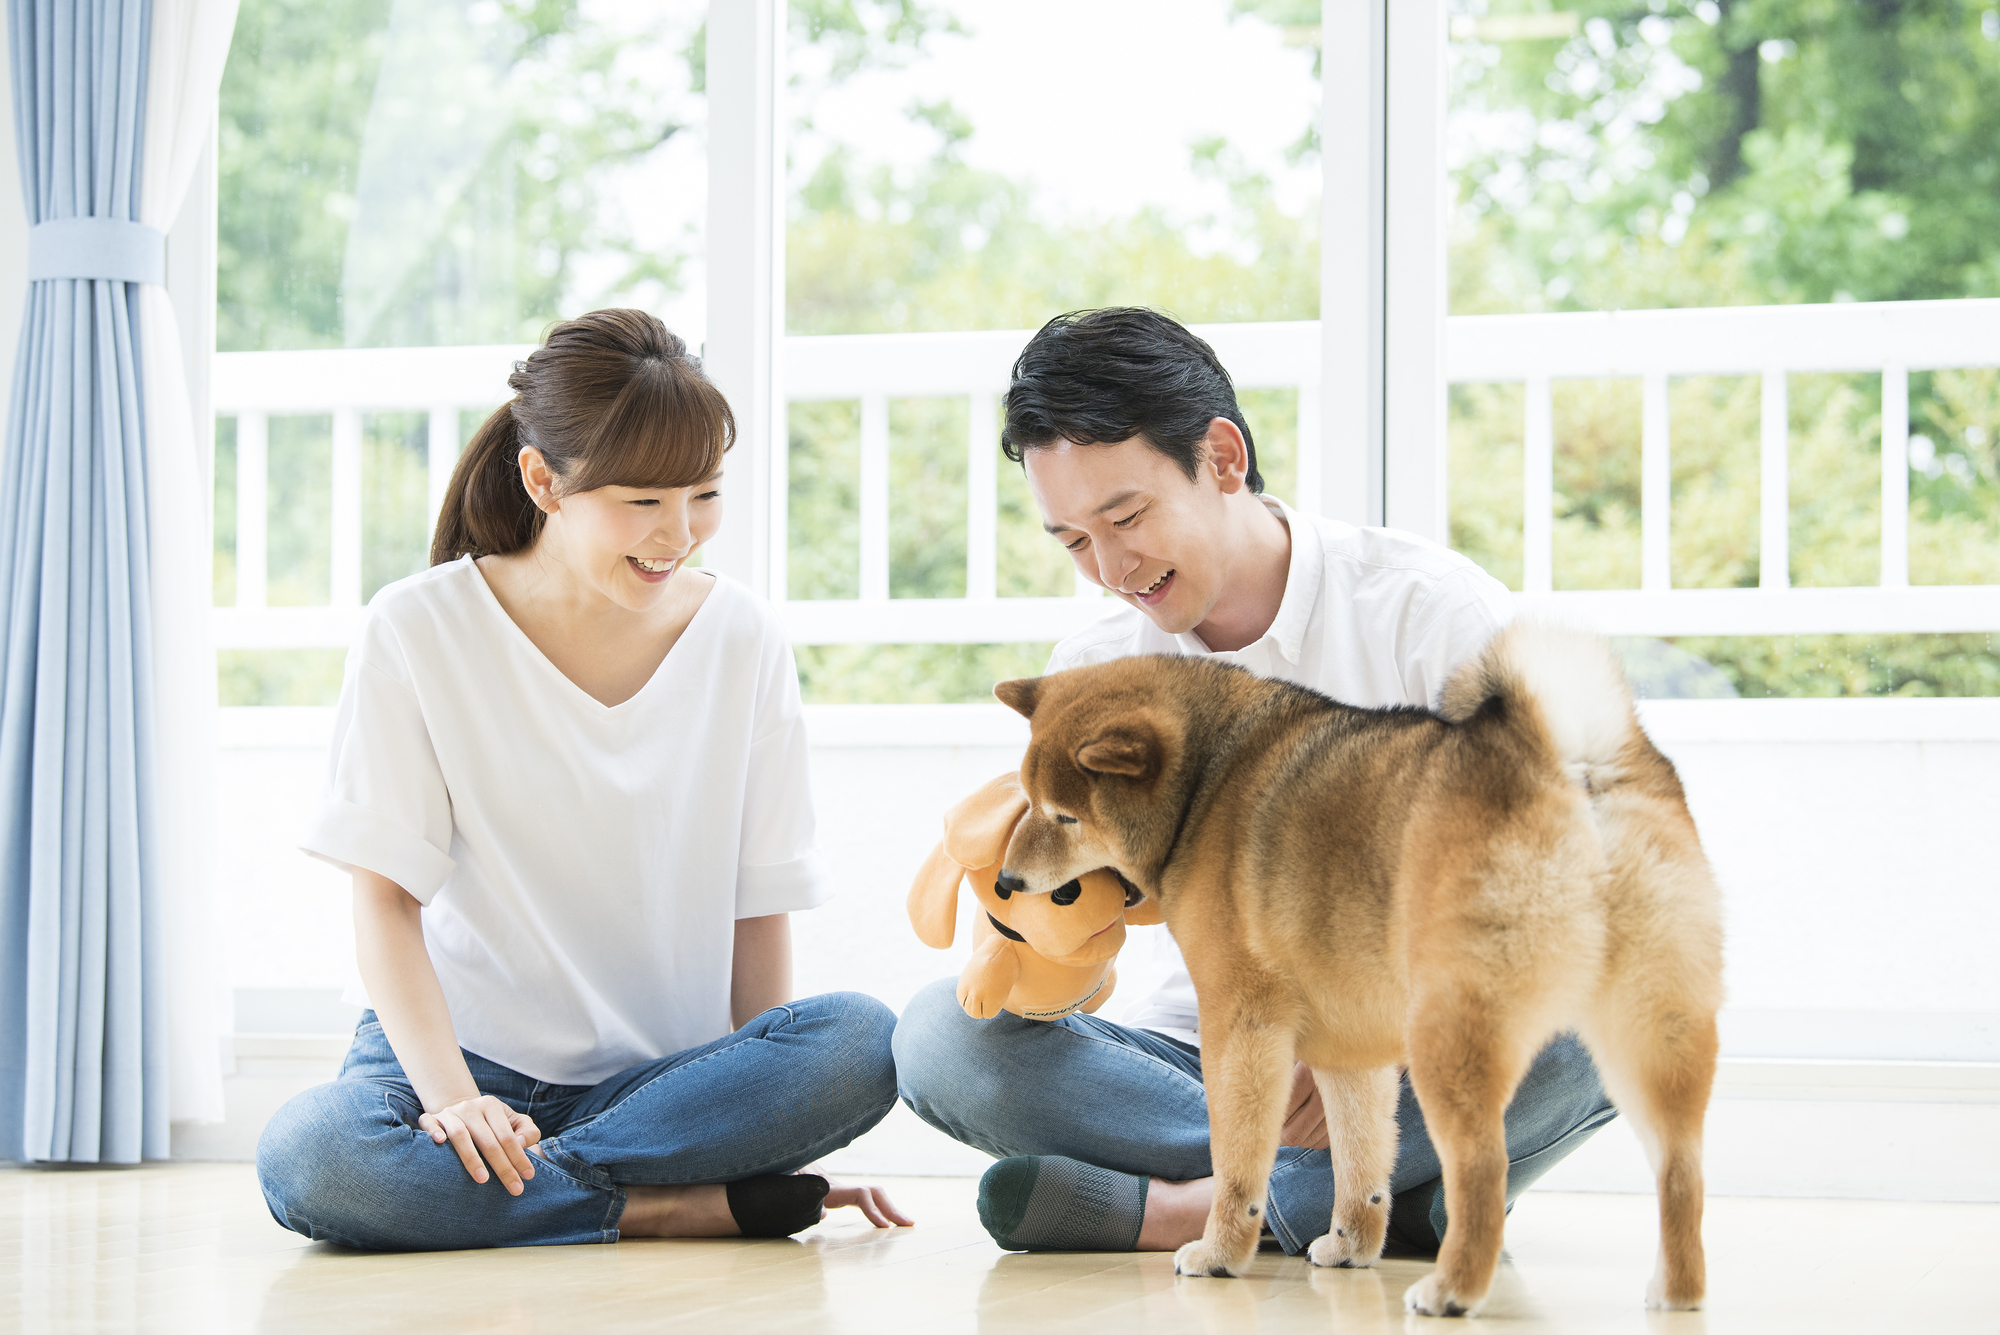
484	1126
1305	1118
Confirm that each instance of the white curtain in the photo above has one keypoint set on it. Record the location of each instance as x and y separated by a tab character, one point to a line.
190	43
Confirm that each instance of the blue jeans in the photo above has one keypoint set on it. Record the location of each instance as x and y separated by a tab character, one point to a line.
1131	1100
345	1162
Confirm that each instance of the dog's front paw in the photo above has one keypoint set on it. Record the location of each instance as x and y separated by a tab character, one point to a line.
1357	1236
1429	1297
1340	1250
1659	1300
1203	1259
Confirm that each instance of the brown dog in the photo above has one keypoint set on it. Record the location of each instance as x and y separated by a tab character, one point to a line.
1360	887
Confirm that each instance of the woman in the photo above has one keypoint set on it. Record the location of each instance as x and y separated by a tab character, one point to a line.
568	776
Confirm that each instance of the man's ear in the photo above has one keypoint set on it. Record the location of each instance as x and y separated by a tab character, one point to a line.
1227	454
1125	752
1019	694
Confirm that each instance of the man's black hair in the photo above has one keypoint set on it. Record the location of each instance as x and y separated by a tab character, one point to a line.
1104	376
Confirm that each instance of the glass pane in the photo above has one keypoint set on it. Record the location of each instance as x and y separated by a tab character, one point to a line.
401	173
1607	156
1162	153
437	173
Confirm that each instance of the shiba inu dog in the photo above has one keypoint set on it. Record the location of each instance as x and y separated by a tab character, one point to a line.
1358	888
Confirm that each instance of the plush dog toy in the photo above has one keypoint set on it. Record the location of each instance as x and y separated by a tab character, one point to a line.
1039	956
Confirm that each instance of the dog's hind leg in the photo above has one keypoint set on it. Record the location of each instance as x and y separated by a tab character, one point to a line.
1246	1065
1361	1133
1465	1061
1658	1069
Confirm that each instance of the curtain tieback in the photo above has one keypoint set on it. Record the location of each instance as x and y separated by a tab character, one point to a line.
109	248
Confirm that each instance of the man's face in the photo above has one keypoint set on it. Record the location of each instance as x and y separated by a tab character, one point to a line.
1136	525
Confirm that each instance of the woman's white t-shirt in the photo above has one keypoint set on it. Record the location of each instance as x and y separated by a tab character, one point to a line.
581	866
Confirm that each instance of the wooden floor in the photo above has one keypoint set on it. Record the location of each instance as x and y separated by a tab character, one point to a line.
189	1247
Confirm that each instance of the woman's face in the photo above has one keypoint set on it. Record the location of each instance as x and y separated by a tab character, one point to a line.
626	542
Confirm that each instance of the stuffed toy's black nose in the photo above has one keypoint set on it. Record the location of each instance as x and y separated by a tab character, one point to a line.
1067	894
1007	883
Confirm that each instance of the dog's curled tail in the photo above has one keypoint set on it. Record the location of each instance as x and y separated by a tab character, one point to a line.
1574	683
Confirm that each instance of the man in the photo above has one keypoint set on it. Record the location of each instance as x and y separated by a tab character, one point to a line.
1144	468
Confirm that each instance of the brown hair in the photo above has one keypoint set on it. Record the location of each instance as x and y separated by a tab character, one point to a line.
611	399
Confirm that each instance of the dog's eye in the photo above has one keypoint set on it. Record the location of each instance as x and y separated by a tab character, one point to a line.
1065	820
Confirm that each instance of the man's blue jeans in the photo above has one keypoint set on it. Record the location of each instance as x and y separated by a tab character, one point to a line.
346	1162
1131	1100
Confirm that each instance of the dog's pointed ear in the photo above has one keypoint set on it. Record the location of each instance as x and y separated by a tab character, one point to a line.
1125	751
1019	694
933	901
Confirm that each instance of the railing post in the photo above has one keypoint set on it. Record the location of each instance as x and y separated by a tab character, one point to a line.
1656	483
253	482
1895	477
440	456
1538	487
982	498
1774	540
874	498
346	575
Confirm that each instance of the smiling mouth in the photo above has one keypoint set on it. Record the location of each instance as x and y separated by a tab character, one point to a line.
660	566
1155	591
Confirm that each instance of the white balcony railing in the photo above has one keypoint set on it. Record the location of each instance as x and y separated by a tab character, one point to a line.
1535	350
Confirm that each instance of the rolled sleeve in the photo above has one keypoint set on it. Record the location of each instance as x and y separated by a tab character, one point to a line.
778	868
386	808
356	839
783	887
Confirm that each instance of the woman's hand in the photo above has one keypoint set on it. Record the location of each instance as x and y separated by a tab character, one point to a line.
871	1201
1305	1117
484	1126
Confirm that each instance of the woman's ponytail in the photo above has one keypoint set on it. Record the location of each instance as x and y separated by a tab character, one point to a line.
611	398
486	510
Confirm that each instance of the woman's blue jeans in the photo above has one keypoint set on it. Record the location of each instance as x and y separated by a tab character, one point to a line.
1131	1100
346	1163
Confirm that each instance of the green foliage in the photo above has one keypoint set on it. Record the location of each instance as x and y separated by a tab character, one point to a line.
1745	152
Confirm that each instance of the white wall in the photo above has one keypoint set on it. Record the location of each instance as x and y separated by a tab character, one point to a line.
1853	848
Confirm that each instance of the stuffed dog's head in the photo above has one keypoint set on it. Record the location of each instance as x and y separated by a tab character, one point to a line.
1101	744
1082	920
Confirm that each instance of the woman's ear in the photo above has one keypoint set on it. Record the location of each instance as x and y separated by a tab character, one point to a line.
933	899
538	479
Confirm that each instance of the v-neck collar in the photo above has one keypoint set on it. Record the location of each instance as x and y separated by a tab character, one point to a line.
534	651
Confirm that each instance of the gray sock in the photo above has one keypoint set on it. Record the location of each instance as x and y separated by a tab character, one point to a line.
1046	1203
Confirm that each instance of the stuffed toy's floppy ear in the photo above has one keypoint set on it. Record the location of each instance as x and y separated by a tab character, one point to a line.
934	899
977	829
1019	695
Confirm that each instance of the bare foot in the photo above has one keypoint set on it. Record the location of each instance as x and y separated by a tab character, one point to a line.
677	1212
1176	1213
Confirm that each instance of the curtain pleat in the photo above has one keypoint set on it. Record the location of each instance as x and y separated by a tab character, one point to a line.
83	1050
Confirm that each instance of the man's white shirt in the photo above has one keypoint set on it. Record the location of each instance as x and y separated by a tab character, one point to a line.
1370	616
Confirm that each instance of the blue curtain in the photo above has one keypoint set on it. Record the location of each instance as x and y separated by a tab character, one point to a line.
82	1034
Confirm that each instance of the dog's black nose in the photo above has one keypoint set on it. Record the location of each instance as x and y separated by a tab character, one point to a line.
1067	894
1007	883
